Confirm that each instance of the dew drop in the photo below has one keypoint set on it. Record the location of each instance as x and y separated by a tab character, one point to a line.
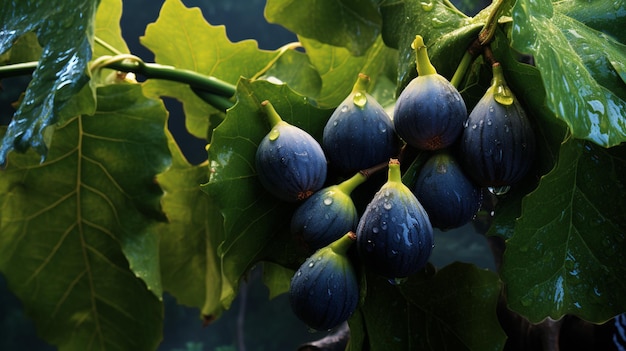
466	123
474	126
499	190
274	134
491	109
344	108
328	201
394	252
503	95
489	122
335	123
382	127
397	281
375	230
311	264
427	5
369	246
299	273
359	99
387	205
383	225
526	301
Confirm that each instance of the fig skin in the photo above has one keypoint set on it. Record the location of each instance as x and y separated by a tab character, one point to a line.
359	134
449	197
498	142
394	235
328	214
430	111
324	291
289	162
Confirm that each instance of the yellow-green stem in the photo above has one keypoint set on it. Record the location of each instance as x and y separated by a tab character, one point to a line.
424	67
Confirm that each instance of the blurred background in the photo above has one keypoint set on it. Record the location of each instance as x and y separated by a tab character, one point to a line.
254	323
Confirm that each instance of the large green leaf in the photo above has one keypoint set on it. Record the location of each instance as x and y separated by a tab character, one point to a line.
353	24
182	38
253	218
607	16
339	69
571	58
77	231
65	30
190	268
568	251
108	30
454	309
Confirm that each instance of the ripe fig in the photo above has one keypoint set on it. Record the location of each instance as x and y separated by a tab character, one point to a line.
328	214
359	134
449	197
289	162
498	143
429	113
324	291
394	235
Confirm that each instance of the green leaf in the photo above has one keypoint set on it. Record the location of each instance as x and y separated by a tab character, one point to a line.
353	24
607	16
24	49
568	253
190	268
78	245
62	67
108	31
277	278
339	69
454	309
253	218
570	56
295	69
182	38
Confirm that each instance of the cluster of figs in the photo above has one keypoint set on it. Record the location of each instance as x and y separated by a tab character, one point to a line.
492	147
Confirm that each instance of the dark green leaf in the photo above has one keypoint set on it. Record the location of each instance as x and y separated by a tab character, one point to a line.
190	268
353	24
568	253
454	309
607	16
78	244
295	69
65	32
182	38
567	54
253	218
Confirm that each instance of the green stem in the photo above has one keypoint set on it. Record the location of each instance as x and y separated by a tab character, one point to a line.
17	69
107	46
347	186
424	67
362	83
489	29
466	61
449	4
281	51
219	102
270	111
394	171
341	245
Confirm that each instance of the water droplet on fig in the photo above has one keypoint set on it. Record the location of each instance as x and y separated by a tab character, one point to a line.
274	134
328	201
503	95
344	108
359	99
375	230
311	264
499	190
387	205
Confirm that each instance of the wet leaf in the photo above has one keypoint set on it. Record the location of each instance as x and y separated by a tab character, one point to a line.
295	69
78	245
453	309
253	218
351	24
607	16
572	58
182	38
61	73
568	251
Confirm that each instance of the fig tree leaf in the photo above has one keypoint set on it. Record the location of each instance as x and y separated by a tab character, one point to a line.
453	309
78	243
253	218
568	251
108	31
569	56
182	38
339	69
65	31
26	48
607	16
352	24
295	69
277	278
191	270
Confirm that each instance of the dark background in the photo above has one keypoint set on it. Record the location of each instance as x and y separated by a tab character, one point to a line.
253	321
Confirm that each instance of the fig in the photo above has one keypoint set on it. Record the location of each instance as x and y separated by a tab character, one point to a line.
449	197
429	112
324	292
290	163
359	134
498	142
394	235
328	214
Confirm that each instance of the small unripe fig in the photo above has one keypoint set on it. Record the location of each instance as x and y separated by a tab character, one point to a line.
498	143
359	134
328	214
289	162
449	197
429	113
394	235
324	291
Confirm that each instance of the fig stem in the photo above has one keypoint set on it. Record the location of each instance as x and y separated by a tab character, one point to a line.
424	67
362	83
341	245
395	174
466	61
270	111
502	94
347	186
